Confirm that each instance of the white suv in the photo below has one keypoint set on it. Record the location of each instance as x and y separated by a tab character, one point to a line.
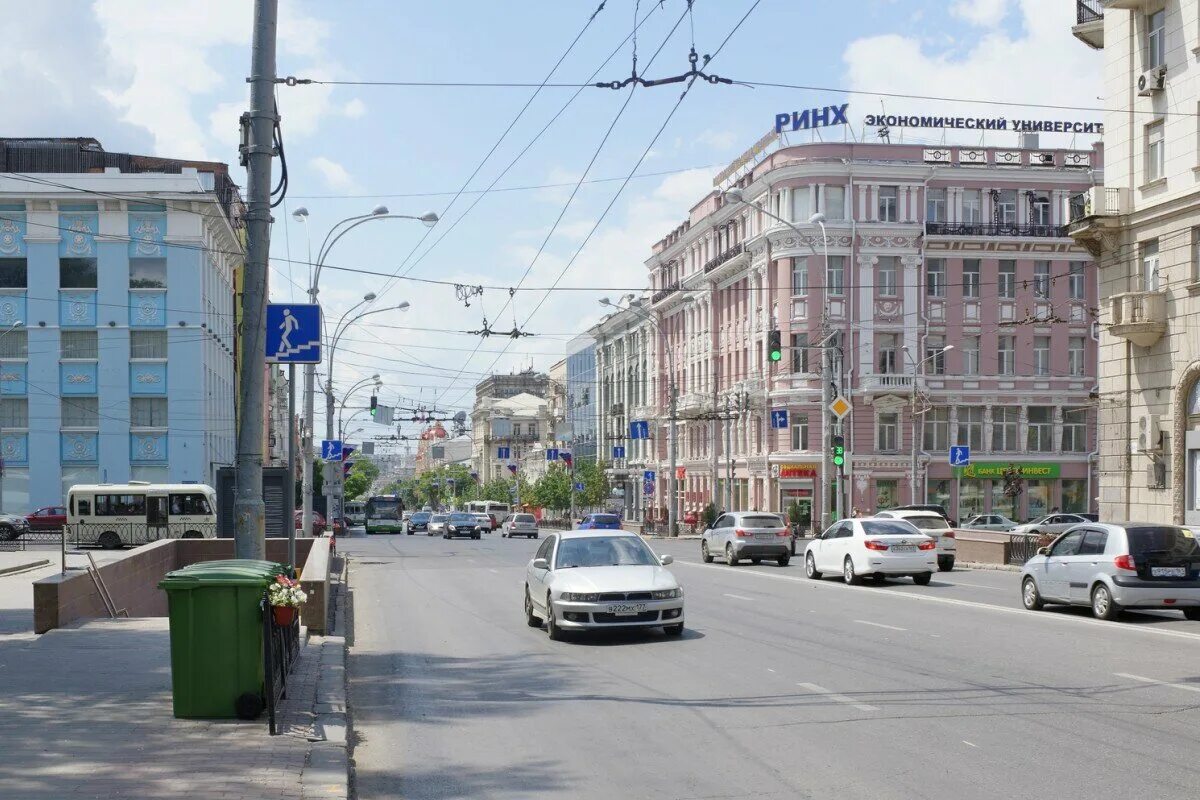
747	534
933	525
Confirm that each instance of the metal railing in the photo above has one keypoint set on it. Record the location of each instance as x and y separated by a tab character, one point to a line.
994	229
23	539
1024	546
731	253
1088	11
665	292
109	534
281	648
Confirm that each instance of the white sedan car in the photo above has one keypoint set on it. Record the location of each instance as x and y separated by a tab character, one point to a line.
881	548
601	579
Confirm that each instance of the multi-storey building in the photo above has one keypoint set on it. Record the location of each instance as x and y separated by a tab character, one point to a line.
947	297
1143	226
117	331
513	425
580	421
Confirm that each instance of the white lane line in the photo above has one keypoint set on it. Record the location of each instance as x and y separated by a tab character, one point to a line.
879	625
950	601
740	597
1142	679
494	571
983	586
969	744
770	670
832	695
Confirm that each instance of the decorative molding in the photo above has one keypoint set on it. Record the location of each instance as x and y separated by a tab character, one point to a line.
1007	158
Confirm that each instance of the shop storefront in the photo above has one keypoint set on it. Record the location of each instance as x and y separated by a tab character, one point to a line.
797	486
1046	487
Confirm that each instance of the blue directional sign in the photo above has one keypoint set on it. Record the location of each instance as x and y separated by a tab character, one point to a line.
502	453
331	449
779	418
960	456
619	451
551	454
639	429
293	333
579	487
648	482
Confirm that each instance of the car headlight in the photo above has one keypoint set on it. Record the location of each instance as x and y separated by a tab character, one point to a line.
453	528
579	597
667	594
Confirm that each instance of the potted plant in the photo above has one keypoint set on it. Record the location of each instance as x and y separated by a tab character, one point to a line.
285	597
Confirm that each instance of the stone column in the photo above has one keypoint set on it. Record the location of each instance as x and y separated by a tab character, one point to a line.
912	300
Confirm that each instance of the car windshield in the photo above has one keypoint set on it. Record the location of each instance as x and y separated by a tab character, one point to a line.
891	527
439	518
762	521
1161	540
462	519
604	551
524	518
928	523
421	516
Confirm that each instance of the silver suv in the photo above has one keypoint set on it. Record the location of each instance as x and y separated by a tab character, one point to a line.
747	534
1112	567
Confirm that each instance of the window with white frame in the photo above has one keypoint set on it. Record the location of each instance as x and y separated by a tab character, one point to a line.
834	205
1156	39
835	276
935	205
888	203
970	279
1150	266
1041	355
1006	355
935	277
1075	350
801	205
1040	432
1006	207
970	427
1155	156
888	360
1039	208
970	349
937	429
1075	281
14	344
885	276
887	427
1041	278
1006	423
800	432
800	277
800	352
147	344
1074	430
972	205
1006	282
935	355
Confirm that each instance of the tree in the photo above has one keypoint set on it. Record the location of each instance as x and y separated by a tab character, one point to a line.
553	490
596	489
709	515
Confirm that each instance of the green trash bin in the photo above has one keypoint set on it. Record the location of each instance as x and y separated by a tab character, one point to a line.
217	637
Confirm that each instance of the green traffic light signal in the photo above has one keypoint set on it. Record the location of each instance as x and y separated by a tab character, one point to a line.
775	346
839	451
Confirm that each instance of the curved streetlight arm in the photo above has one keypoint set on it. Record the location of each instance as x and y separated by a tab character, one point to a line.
344	326
323	253
325	245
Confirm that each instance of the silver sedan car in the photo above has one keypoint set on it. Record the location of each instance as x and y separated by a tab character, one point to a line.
1051	523
989	522
1112	567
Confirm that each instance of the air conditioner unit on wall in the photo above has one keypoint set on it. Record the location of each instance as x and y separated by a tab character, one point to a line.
1149	434
1151	81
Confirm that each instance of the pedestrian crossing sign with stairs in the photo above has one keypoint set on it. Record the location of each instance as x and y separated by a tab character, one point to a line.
293	333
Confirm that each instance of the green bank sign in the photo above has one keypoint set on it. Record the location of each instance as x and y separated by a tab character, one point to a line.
995	469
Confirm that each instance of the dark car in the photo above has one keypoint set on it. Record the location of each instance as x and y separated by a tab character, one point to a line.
50	518
936	508
461	523
600	522
420	520
12	527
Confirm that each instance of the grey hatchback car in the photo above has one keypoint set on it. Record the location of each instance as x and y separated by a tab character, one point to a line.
1112	567
747	534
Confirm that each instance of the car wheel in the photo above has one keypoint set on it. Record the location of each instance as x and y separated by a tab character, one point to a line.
445	536
531	619
192	535
810	567
1103	605
7	534
1031	598
704	554
552	628
534	536
477	536
109	540
784	559
945	563
848	574
923	579
1191	613
730	558
673	630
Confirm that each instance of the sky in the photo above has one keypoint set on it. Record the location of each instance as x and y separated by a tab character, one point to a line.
168	79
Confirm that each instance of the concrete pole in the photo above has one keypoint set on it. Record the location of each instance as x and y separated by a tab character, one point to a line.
289	500
307	441
825	401
728	457
249	510
331	475
673	508
714	435
912	427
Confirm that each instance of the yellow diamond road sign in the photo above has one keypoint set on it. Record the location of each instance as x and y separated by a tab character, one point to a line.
840	406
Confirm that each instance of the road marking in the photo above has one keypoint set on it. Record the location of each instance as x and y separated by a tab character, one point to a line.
494	571
879	625
739	597
770	670
964	741
841	698
1142	679
950	601
982	586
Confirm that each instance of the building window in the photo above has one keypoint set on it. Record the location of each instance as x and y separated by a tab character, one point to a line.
1005	425
835	281
935	277
800	277
887	426
1156	35
79	344
1075	350
14	413
1039	208
935	355
148	412
935	205
81	412
970	283
1041	355
1006	358
1007	280
970	427
1041	278
1074	430
1006	207
533	430
77	273
1150	267
14	344
800	352
1155	152
1074	496
937	429
888	353
885	279
1075	281
14	273
1041	429
834	206
801	208
888	197
147	273
800	432
972	205
147	344
970	355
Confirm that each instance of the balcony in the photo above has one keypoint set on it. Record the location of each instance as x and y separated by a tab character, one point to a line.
1089	22
1140	317
1095	216
728	255
664	293
889	383
994	229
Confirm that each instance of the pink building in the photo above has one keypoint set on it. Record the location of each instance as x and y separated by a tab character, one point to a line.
925	249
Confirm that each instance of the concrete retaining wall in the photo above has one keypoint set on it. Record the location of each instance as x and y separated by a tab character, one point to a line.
314	580
984	547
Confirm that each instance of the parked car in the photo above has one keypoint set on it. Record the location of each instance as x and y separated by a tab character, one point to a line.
600	522
936	508
1112	567
420	520
880	548
12	527
1051	523
461	523
49	518
989	522
520	525
747	534
599	580
437	524
318	522
935	527
486	521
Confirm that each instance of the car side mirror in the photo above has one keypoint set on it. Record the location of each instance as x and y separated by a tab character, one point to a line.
666	559
541	563
1043	551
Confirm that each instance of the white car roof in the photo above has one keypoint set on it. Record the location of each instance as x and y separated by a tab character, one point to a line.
906	514
591	534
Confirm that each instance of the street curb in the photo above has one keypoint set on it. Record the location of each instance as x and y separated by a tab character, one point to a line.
982	565
326	771
24	567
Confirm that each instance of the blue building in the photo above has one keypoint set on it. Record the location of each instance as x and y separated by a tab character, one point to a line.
581	397
117	318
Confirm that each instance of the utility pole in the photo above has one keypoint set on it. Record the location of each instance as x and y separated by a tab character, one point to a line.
258	126
673	508
289	500
714	435
728	457
825	438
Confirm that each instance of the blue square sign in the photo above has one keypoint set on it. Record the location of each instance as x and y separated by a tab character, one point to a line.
779	418
639	429
960	456
293	333
331	449
618	451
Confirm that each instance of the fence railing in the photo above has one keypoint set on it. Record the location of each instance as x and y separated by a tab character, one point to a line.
1022	546
1088	11
281	647
109	534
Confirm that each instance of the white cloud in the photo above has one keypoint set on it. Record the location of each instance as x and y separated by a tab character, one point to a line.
718	140
335	174
985	13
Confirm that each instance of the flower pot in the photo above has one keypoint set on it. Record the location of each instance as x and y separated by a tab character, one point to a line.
284	615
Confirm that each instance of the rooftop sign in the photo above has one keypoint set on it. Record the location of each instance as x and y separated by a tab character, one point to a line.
745	158
982	123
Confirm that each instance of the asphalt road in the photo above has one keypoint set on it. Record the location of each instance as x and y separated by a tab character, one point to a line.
781	687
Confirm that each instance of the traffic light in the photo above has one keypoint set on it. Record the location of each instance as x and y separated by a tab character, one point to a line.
839	451
374	404
775	346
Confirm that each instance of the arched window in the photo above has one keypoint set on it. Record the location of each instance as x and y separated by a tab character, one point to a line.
1193	404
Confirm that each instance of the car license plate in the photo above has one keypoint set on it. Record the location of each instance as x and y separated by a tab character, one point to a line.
626	609
1168	572
904	548
764	536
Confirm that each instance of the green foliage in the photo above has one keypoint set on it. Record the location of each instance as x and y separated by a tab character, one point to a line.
708	516
362	475
596	489
423	492
553	490
795	515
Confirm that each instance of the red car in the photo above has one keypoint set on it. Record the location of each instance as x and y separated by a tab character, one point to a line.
318	522
50	518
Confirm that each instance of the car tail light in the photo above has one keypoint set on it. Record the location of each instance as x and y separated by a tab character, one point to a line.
927	545
743	534
781	532
872	544
948	534
1125	562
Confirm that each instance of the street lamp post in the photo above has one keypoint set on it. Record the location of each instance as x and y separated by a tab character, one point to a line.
346	398
912	414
